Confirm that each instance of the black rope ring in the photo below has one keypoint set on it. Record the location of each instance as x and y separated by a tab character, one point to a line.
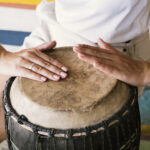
22	118
51	133
69	134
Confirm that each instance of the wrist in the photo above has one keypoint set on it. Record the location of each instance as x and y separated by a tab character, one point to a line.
3	52
147	73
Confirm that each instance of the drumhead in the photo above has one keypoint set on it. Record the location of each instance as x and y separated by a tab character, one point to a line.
86	97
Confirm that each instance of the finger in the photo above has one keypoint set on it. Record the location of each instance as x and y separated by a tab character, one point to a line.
23	72
47	66
44	72
100	53
84	46
38	70
51	60
104	45
46	46
94	60
96	53
105	66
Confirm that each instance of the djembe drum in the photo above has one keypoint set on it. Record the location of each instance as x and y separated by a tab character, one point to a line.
89	110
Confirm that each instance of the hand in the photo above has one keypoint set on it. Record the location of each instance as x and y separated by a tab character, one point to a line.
112	62
32	63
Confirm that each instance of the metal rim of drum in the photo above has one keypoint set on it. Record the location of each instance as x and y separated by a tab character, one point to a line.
9	111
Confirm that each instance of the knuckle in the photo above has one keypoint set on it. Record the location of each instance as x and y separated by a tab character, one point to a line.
52	68
102	66
111	71
36	50
106	69
95	62
49	74
55	62
59	65
19	60
51	59
38	68
105	45
118	59
95	52
56	70
124	76
27	53
46	64
20	72
84	45
35	76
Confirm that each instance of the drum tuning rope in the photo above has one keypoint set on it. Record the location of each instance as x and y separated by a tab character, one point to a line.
51	139
21	118
117	135
84	138
102	139
70	138
38	145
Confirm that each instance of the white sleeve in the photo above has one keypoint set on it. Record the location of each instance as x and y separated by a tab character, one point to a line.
42	33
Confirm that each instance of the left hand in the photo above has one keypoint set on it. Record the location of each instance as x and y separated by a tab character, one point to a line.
112	62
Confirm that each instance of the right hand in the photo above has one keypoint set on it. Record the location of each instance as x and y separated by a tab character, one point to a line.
32	63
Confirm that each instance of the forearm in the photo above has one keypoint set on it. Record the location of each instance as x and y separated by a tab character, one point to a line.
2	53
147	72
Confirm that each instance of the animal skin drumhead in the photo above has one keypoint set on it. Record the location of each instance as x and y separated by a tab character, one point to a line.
84	87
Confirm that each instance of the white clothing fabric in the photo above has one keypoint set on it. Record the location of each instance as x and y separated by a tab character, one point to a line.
114	21
55	24
50	30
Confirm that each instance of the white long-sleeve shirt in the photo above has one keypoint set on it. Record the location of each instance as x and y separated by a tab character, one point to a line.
114	21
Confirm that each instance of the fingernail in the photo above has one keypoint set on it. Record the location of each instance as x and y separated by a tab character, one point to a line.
53	42
43	79
56	77
81	55
64	75
75	48
100	40
79	45
64	68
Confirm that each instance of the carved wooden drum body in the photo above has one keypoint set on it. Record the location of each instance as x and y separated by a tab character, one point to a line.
87	111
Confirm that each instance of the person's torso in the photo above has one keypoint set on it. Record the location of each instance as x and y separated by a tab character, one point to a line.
114	21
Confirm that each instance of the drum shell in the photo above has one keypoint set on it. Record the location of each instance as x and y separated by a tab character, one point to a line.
121	131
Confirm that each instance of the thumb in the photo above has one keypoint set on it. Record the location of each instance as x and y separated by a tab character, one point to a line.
46	46
104	45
